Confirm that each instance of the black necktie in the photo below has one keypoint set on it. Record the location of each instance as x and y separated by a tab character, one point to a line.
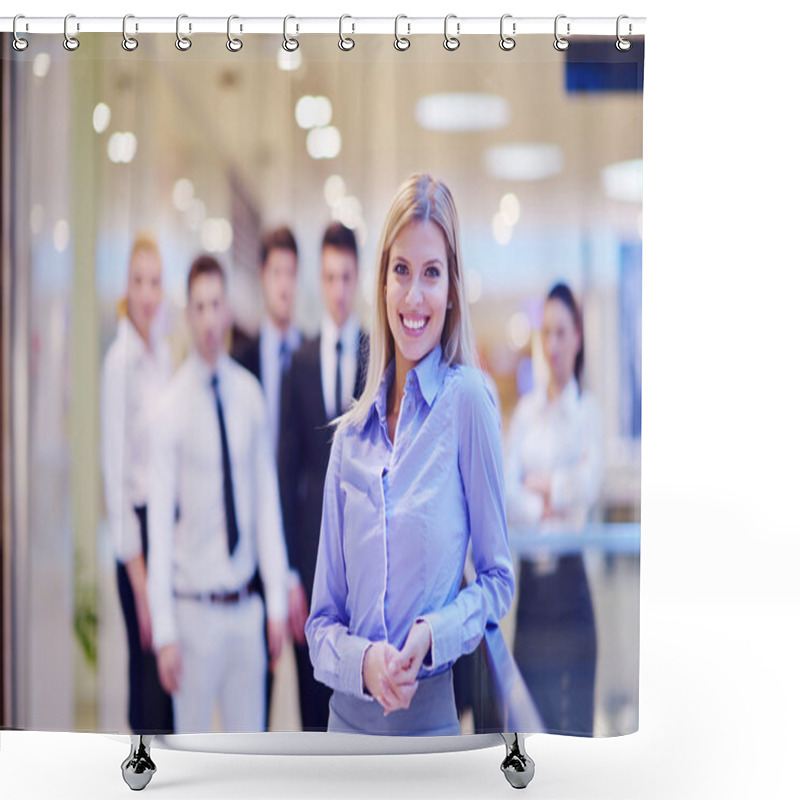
339	378
230	508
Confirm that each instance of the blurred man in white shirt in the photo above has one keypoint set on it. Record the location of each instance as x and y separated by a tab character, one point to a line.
211	457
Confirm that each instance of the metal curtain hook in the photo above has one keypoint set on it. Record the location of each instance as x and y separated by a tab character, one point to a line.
451	42
623	44
233	44
290	44
70	42
182	42
345	42
507	42
129	43
560	42
400	42
19	43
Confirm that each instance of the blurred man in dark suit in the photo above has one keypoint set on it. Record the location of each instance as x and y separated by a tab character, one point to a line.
326	375
269	355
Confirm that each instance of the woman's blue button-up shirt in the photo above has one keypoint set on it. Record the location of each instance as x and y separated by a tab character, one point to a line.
397	520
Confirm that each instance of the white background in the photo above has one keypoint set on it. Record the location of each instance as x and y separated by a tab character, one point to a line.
720	612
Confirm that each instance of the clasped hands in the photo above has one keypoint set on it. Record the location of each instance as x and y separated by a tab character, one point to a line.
390	675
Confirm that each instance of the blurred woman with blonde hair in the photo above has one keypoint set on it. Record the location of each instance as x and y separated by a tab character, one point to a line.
135	369
415	477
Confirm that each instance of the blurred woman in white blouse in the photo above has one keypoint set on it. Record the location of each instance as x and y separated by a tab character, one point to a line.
554	471
135	369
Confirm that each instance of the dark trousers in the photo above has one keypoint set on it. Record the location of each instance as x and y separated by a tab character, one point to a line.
555	644
314	696
149	706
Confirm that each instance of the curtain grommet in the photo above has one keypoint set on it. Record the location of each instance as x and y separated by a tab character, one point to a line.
560	43
183	43
18	43
233	44
70	43
451	43
623	45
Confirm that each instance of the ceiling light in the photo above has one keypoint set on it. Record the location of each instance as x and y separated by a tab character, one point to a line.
523	161
518	330
289	61
41	65
509	208
462	111
101	117
623	181
313	112
122	147
182	194
324	142
335	189
216	235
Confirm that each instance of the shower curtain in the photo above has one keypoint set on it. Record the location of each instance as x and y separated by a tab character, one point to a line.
134	164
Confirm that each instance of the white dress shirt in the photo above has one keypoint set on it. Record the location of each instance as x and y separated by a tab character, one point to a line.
270	356
191	555
564	440
131	379
329	335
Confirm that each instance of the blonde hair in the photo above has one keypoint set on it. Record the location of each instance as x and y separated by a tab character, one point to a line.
421	198
143	243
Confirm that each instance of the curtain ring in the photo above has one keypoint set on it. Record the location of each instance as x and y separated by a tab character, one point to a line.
451	42
19	44
345	42
560	42
183	43
400	42
70	42
233	44
507	42
623	45
290	44
129	43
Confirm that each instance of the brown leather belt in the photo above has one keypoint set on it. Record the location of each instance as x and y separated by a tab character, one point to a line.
222	597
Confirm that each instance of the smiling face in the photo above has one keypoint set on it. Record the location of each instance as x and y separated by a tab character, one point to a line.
417	289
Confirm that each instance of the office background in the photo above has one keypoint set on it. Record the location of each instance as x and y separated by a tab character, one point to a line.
718	708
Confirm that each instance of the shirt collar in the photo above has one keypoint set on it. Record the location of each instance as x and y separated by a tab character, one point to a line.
271	337
568	398
348	332
429	375
269	333
134	341
204	371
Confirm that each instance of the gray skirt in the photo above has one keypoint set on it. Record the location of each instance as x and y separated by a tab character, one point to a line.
432	712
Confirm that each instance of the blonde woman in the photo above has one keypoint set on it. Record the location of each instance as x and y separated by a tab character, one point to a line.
136	368
415	475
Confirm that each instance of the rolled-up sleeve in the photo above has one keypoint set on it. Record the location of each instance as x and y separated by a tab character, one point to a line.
336	654
458	627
